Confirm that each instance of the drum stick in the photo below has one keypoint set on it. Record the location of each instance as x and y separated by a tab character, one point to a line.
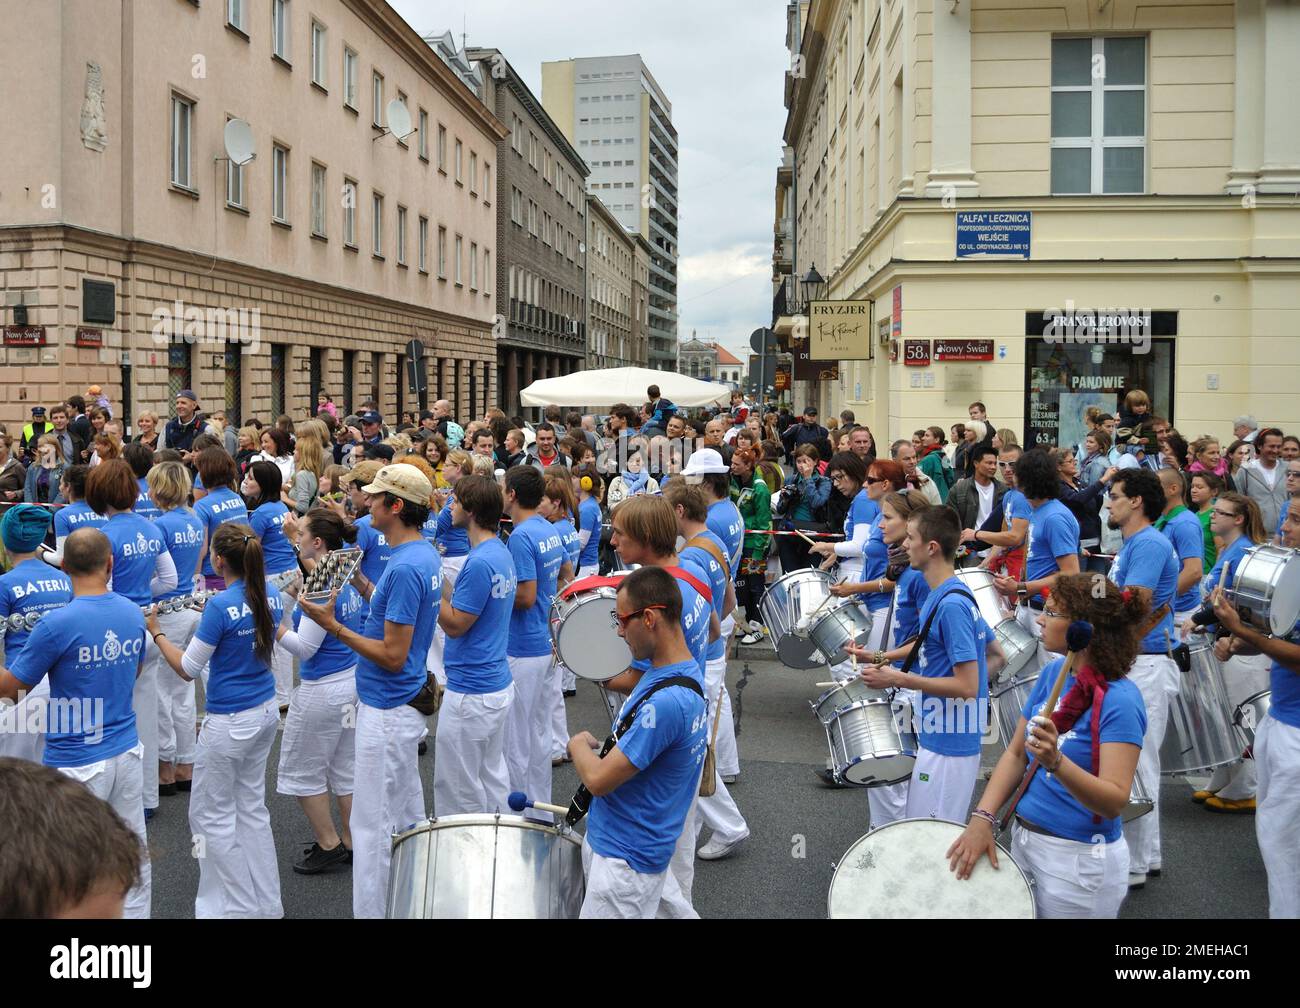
519	801
810	541
827	685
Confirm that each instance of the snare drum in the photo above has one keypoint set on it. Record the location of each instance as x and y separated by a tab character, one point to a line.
1019	646
1249	713
1008	699
1266	589
900	871
485	867
1139	802
868	746
785	607
840	623
1200	734
583	629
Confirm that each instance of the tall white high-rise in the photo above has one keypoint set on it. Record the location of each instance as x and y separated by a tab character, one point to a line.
619	120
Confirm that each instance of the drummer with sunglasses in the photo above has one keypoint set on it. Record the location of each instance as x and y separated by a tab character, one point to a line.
645	787
1277	744
1068	833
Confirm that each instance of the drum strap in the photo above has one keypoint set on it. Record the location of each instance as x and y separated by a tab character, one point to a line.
925	630
596	581
581	800
712	549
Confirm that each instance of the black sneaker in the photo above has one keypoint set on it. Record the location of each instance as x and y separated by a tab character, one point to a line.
424	747
570	692
319	860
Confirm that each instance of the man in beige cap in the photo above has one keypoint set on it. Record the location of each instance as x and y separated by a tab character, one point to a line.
391	653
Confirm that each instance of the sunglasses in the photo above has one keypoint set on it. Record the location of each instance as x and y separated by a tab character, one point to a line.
1053	614
1006	465
621	621
1225	514
876	479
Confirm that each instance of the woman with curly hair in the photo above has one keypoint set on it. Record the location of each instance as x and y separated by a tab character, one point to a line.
1069	835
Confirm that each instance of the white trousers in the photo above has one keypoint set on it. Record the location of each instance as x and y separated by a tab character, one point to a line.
1243	676
941	786
451	567
469	763
1156	677
282	660
675	899
616	890
238	874
719	811
528	735
389	799
144	701
559	714
1277	819
119	781
1073	879
176	719
318	750
888	803
22	727
715	679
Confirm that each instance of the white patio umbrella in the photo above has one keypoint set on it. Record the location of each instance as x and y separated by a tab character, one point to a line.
609	386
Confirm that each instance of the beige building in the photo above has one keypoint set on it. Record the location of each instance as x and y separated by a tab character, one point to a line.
1048	205
610	255
123	222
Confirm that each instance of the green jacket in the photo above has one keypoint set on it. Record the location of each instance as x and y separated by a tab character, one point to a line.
933	466
755	505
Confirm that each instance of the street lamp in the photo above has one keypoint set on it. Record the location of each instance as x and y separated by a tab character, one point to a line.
813	286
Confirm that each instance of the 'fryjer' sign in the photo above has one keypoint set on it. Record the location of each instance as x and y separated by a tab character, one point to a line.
839	330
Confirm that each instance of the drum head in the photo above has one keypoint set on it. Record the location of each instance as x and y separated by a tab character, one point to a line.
900	871
798	652
1284	606
588	644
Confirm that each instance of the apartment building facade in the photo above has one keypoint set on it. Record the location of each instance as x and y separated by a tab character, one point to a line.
611	252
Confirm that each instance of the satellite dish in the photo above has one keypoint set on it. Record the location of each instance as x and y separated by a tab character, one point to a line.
399	119
239	142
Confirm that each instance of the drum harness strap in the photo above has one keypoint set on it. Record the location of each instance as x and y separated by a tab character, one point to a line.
597	581
925	630
581	800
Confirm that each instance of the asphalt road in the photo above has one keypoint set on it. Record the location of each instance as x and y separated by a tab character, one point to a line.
798	829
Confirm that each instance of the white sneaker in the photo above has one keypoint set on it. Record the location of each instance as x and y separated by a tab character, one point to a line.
716	850
1137	880
753	637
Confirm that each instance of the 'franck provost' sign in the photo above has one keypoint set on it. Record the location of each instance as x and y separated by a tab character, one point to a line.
839	330
993	233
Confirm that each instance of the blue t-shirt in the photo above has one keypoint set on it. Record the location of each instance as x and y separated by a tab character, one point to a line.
1285	684
91	650
476	661
33	586
79	515
374	547
569	540
952	726
589	521
909	597
216	508
407	592
695	619
639	822
182	533
1046	802
1230	556
725	522
267	520
136	544
1146	560
237	678
1053	532
538	553
876	556
144	505
718	579
862	510
1185	532
333	655
1015	505
452	541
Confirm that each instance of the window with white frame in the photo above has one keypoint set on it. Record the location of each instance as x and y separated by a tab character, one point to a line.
401	235
473	172
473	266
459	159
377	97
350	64
350	213
1099	115
318	199
422	144
280	26
422	239
516	206
442	149
377	224
442	253
236	14
460	243
319	53
487	270
182	130
280	183
487	181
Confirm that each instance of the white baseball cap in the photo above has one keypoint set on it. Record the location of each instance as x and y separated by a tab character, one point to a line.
704	461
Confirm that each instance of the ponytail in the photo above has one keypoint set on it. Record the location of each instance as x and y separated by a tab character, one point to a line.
325	525
239	547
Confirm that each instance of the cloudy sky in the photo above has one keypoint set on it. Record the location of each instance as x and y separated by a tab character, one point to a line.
720	62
